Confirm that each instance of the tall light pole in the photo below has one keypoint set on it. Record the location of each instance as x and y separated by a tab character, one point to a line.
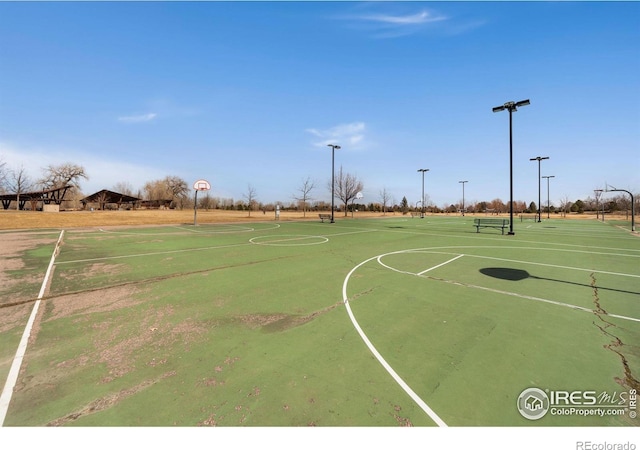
423	171
511	107
548	204
333	178
463	182
539	158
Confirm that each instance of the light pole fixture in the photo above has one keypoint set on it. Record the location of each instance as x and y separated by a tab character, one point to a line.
511	107
539	158
548	204
423	171
463	182
333	178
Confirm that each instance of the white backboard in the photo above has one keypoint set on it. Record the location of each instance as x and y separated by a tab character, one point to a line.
201	185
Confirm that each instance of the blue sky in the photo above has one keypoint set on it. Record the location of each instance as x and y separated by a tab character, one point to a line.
251	93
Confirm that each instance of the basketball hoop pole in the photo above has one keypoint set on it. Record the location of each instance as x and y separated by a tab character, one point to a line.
200	185
195	207
633	211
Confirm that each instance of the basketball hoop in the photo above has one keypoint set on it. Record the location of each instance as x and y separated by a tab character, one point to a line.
201	185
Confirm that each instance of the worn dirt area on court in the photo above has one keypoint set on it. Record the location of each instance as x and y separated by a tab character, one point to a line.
85	303
15	316
114	341
12	248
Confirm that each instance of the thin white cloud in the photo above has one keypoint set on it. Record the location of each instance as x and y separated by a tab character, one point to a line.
137	119
412	19
393	23
349	134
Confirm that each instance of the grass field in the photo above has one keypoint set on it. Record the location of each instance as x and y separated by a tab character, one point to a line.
379	322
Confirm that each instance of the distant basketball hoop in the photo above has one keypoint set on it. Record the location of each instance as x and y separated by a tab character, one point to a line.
202	185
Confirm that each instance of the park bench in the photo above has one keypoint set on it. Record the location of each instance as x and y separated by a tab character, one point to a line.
490	223
324	216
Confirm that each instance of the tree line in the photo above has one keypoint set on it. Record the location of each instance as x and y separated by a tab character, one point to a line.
176	192
17	181
172	190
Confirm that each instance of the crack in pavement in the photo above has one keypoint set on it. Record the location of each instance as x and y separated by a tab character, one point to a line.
616	343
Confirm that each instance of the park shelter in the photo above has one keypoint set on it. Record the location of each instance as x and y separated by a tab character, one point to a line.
106	199
47	198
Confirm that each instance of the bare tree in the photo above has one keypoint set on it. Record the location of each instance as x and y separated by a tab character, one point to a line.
206	202
3	175
156	190
18	182
170	188
305	190
347	187
178	188
223	203
385	198
123	187
623	203
497	205
251	198
598	199
62	175
102	199
565	205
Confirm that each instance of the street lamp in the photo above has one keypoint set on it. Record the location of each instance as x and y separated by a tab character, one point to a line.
548	204
539	158
463	182
423	171
511	107
333	178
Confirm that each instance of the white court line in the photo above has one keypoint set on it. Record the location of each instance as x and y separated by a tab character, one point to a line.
289	238
224	229
229	229
386	365
351	232
556	266
513	294
529	297
416	398
12	378
139	255
215	247
440	265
